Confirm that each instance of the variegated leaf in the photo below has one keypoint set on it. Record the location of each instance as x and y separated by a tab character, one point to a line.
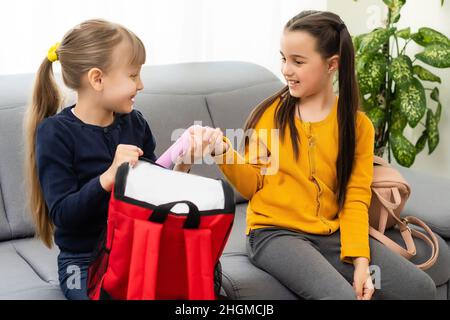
437	115
427	36
377	116
374	40
412	102
368	103
357	41
425	74
418	38
371	72
404	33
403	150
433	131
398	120
420	144
395	6
401	70
435	94
436	55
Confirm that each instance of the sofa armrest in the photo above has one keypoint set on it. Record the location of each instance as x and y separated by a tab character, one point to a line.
429	200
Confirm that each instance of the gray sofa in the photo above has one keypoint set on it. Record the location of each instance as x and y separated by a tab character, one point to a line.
220	94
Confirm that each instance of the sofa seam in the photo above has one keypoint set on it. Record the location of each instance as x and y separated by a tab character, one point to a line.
209	112
30	265
12	106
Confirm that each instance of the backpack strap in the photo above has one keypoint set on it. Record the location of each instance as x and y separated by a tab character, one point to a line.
387	204
407	234
431	240
405	231
408	253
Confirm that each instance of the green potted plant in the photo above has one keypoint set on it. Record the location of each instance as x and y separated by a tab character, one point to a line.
393	86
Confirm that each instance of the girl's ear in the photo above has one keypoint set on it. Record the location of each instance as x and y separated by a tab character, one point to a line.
95	78
333	63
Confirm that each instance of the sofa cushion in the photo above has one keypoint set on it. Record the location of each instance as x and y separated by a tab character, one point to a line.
429	200
241	100
12	172
41	259
203	78
442	292
5	230
42	292
236	240
448	291
243	281
28	271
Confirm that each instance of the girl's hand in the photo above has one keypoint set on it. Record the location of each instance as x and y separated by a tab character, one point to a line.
124	153
203	141
200	140
217	145
213	138
362	281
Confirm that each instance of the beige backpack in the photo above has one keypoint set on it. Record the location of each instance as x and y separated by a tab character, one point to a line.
390	192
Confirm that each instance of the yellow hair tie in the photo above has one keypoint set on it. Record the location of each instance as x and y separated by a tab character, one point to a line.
51	55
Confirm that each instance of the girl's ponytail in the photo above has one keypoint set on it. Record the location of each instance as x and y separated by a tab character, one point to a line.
348	105
46	100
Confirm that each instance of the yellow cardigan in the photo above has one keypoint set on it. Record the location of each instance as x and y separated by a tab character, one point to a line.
301	195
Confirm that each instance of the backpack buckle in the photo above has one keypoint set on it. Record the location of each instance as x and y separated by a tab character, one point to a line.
406	224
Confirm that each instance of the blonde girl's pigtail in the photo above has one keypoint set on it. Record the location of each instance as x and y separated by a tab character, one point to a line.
45	102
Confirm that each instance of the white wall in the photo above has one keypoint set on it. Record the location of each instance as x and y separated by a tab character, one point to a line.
172	30
364	15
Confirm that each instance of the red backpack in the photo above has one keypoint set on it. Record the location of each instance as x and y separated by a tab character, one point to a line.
153	250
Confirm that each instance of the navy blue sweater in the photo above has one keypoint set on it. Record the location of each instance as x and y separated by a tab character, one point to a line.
70	157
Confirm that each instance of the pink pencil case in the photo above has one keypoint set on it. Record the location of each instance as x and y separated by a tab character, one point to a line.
175	150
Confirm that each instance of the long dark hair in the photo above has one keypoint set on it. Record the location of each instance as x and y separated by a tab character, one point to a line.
332	38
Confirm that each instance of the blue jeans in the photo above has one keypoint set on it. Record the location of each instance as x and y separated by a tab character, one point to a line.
73	272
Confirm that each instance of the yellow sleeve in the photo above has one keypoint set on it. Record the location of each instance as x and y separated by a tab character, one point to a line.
354	218
245	173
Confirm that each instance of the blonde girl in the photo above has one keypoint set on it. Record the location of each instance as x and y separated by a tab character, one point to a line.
73	155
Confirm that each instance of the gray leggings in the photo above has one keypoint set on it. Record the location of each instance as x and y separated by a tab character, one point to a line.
309	265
